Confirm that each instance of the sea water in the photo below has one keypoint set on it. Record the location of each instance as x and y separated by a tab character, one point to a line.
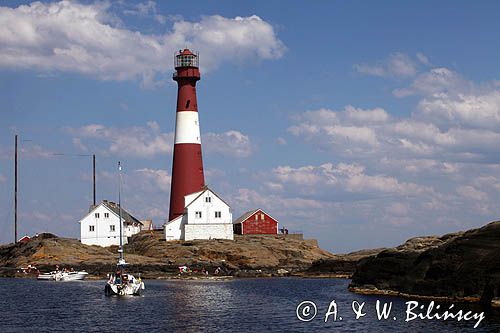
240	305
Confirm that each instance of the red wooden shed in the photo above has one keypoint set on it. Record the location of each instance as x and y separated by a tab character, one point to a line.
255	222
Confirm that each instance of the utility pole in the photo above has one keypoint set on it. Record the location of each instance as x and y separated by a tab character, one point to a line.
15	191
93	173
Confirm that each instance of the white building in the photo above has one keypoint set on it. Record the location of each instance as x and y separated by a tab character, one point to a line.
206	216
101	226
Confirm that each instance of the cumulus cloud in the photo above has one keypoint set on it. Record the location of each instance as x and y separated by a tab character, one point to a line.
460	135
146	9
90	39
155	177
341	178
351	125
231	143
436	80
132	141
480	110
397	65
286	209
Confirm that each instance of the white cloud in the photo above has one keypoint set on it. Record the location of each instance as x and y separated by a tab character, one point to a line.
477	110
397	65
281	141
437	80
156	177
146	9
133	141
89	39
423	59
472	193
397	209
351	125
30	150
462	127
230	143
377	115
342	178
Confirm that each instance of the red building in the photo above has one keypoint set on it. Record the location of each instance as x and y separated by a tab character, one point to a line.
24	239
255	222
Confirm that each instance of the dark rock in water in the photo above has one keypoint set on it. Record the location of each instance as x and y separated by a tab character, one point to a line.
341	265
464	265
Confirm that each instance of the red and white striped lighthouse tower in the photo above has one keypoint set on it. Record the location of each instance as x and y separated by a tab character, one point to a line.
187	167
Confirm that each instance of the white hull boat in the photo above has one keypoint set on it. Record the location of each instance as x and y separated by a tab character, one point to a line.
123	285
63	276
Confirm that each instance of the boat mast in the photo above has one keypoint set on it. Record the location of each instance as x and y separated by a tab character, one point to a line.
15	192
120	250
93	176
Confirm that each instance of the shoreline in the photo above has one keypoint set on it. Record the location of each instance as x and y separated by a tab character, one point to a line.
495	303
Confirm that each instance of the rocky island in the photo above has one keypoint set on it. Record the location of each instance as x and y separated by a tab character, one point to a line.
149	254
462	266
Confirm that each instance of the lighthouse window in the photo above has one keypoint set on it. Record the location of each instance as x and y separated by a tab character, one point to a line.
197	215
187	103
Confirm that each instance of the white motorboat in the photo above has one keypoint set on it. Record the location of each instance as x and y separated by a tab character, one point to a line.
63	276
122	283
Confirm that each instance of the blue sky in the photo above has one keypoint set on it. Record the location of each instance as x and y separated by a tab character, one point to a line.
361	124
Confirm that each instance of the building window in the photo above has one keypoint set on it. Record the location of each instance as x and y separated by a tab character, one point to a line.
262	217
208	199
197	215
256	217
106	215
96	215
218	214
91	228
112	227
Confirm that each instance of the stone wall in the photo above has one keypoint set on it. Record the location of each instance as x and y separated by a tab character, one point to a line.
208	231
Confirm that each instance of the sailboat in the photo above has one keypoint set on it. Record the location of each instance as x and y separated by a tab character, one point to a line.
122	283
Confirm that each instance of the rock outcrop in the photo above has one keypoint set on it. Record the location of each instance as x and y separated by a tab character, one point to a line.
462	266
340	265
150	254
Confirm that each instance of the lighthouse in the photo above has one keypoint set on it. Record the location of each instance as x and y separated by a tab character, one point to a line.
187	166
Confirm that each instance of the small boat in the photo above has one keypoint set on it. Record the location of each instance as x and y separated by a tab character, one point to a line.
122	283
62	276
